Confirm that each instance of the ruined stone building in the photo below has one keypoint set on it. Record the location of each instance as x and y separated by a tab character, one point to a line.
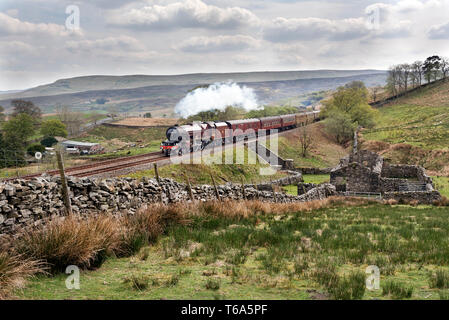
366	171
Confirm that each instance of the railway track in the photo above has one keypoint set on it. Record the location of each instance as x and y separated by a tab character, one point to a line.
103	166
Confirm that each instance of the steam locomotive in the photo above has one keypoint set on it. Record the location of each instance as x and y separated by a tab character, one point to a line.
197	136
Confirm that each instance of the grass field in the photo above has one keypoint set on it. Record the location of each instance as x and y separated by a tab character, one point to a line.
247	171
415	129
442	185
324	152
426	127
318	254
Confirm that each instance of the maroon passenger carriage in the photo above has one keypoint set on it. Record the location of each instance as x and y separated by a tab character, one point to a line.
197	136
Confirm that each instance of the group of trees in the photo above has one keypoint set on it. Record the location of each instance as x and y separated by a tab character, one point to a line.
347	110
403	77
24	123
235	113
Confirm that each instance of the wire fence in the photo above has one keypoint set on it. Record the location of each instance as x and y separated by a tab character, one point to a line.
15	164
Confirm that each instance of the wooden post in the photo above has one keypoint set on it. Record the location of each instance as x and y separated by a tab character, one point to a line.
257	189
156	172
189	187
243	190
217	194
64	187
274	193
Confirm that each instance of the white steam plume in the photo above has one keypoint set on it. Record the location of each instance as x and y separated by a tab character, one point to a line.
217	96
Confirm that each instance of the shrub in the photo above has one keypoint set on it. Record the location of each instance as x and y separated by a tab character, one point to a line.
397	290
439	279
32	149
15	270
49	142
72	241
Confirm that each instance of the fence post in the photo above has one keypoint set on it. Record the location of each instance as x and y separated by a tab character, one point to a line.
156	172
64	186
217	194
243	189
189	187
257	189
274	193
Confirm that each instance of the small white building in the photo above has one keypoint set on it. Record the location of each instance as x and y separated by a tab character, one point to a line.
83	147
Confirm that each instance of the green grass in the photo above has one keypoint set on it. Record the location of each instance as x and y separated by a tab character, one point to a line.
200	173
292	256
291	189
316	178
308	178
426	127
442	185
288	150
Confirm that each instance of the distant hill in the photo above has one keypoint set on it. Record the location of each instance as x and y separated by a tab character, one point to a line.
161	98
90	83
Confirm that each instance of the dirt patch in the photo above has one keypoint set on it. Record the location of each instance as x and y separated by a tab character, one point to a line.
147	122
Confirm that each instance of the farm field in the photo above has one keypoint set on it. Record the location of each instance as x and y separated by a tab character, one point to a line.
318	250
147	122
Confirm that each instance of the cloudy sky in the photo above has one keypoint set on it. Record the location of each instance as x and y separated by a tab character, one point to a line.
40	42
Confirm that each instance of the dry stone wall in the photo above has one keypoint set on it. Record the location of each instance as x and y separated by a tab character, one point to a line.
29	202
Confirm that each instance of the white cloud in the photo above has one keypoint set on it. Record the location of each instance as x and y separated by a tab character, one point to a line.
282	29
185	14
440	31
120	42
14	26
219	43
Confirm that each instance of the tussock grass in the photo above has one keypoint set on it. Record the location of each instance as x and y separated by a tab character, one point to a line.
72	241
397	290
15	270
294	242
212	284
439	279
139	283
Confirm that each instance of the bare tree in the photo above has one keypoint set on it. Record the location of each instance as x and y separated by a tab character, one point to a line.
393	81
417	72
72	120
445	67
404	75
306	141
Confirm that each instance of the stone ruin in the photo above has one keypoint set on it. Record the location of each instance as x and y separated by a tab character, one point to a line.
366	172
